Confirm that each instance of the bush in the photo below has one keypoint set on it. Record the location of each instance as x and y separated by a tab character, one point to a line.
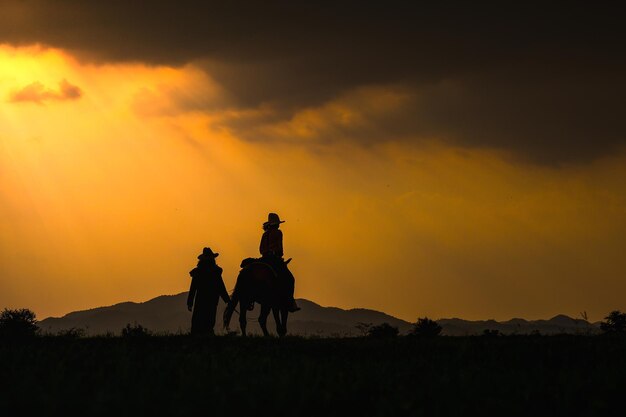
615	323
363	328
18	323
426	327
72	333
491	333
382	331
135	330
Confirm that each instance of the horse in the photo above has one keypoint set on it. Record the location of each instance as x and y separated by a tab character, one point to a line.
258	282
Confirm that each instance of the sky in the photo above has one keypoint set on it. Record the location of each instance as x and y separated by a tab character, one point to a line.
440	160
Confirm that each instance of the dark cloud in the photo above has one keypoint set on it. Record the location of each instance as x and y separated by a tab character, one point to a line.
39	93
543	80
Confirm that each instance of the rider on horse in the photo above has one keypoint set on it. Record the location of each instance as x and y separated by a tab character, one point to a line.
271	249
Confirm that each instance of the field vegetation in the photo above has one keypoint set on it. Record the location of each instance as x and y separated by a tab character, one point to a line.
378	374
181	375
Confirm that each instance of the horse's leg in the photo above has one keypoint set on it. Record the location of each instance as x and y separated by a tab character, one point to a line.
276	319
243	309
284	313
265	311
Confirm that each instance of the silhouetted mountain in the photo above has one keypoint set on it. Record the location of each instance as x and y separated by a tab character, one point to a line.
168	314
556	325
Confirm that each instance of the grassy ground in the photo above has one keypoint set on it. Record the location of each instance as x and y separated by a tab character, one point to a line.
180	375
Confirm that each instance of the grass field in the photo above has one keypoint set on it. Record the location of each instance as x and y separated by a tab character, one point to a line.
183	376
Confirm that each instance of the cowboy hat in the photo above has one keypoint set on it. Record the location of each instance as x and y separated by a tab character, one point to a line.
208	253
273	219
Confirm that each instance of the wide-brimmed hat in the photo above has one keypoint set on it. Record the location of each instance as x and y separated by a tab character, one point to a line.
273	219
208	253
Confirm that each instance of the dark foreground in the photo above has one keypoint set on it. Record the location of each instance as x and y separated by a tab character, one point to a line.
179	375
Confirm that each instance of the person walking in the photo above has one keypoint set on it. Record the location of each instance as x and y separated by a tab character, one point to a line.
206	288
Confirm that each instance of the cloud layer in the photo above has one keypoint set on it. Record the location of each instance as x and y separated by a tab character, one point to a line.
39	93
541	81
110	198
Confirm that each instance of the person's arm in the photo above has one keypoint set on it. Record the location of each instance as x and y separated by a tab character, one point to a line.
221	287
279	244
223	292
192	290
263	244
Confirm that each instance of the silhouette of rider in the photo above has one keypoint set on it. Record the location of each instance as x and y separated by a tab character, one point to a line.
206	288
271	249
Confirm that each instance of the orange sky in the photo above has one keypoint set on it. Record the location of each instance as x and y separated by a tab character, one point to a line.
111	184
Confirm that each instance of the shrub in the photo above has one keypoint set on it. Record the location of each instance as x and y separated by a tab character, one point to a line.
135	330
18	323
426	327
382	331
363	328
491	332
72	333
614	323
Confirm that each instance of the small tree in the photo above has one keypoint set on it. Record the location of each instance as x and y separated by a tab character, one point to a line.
135	330
18	323
72	333
491	333
614	323
382	331
426	327
363	328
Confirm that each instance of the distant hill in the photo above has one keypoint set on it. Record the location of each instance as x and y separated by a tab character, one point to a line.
168	314
556	325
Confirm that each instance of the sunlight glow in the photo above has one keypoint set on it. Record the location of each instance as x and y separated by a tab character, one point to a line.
108	197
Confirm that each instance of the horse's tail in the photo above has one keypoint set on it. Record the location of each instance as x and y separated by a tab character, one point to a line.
232	305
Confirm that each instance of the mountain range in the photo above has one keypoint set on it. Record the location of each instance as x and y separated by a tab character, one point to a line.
168	314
